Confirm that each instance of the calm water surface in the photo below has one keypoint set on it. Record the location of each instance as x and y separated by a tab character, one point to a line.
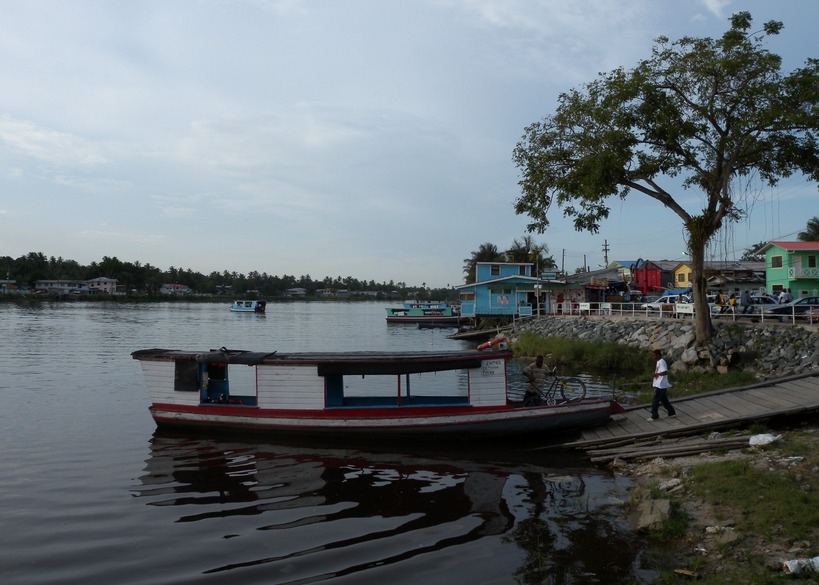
91	492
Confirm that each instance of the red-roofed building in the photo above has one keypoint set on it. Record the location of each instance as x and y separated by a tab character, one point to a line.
175	289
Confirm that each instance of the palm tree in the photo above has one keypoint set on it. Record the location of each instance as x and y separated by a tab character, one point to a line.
527	251
487	252
752	254
811	233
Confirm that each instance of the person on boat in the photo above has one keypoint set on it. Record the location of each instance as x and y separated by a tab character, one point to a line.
661	386
535	374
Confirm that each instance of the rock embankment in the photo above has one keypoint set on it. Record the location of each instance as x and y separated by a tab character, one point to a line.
769	351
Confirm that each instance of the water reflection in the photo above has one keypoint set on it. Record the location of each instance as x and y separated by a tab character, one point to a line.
293	514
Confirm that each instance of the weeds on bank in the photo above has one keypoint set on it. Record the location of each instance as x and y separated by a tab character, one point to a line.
625	368
774	500
773	497
573	355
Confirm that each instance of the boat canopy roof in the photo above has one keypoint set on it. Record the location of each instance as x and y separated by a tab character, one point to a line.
329	363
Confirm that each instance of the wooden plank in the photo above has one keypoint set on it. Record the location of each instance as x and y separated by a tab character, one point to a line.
792	389
781	399
733	407
810	384
762	400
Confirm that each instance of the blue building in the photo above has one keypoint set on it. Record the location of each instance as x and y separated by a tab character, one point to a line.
505	289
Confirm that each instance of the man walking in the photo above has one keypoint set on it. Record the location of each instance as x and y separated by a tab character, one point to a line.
661	386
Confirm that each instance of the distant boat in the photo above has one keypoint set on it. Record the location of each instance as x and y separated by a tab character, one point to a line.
424	312
366	394
248	306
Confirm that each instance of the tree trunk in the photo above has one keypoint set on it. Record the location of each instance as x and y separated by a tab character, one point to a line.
702	312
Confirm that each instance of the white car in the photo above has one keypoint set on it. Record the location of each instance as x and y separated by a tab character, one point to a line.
665	300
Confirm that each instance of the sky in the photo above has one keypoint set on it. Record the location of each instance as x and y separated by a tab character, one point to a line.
362	138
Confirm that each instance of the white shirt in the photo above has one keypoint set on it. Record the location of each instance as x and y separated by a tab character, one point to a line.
662	381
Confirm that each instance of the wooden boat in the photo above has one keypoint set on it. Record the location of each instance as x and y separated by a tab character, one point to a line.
248	306
424	312
356	394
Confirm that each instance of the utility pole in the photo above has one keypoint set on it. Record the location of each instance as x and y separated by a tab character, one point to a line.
606	252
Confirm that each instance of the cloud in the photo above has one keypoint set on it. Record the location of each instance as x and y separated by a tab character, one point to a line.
114	236
48	145
716	7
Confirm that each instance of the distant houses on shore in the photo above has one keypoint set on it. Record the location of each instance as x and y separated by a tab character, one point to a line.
503	289
520	289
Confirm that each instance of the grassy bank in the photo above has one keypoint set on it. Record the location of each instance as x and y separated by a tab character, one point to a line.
766	496
628	369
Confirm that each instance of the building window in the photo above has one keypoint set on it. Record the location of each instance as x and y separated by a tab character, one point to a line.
811	261
522	270
681	278
776	261
495	270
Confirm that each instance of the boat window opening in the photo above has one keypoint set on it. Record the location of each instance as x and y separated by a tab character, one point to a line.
223	384
214	383
217	371
186	377
391	390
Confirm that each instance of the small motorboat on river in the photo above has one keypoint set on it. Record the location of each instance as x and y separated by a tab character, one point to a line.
370	394
248	306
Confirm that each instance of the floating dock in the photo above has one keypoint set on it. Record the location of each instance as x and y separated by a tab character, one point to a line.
632	436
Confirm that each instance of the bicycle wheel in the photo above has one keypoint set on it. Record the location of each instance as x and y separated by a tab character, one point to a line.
572	389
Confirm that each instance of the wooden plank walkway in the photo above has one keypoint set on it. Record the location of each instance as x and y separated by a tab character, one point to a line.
698	414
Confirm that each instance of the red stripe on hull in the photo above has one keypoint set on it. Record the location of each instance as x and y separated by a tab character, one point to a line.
432	421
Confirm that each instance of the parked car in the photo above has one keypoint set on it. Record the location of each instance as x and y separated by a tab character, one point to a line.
798	308
760	302
665	300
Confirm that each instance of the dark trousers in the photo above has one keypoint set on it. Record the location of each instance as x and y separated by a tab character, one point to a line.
661	397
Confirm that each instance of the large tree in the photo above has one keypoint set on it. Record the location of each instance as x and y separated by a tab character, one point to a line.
699	113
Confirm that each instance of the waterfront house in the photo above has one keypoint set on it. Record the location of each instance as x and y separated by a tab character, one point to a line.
729	276
792	265
103	285
506	290
624	268
175	289
596	286
62	287
653	276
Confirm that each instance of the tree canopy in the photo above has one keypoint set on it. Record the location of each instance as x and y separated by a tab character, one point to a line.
811	233
698	114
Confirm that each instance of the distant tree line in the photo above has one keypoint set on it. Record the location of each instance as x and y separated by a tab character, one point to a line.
145	279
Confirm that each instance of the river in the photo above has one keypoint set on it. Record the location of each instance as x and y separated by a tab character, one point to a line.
91	492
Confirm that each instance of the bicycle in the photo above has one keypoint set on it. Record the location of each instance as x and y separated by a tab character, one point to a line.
570	389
